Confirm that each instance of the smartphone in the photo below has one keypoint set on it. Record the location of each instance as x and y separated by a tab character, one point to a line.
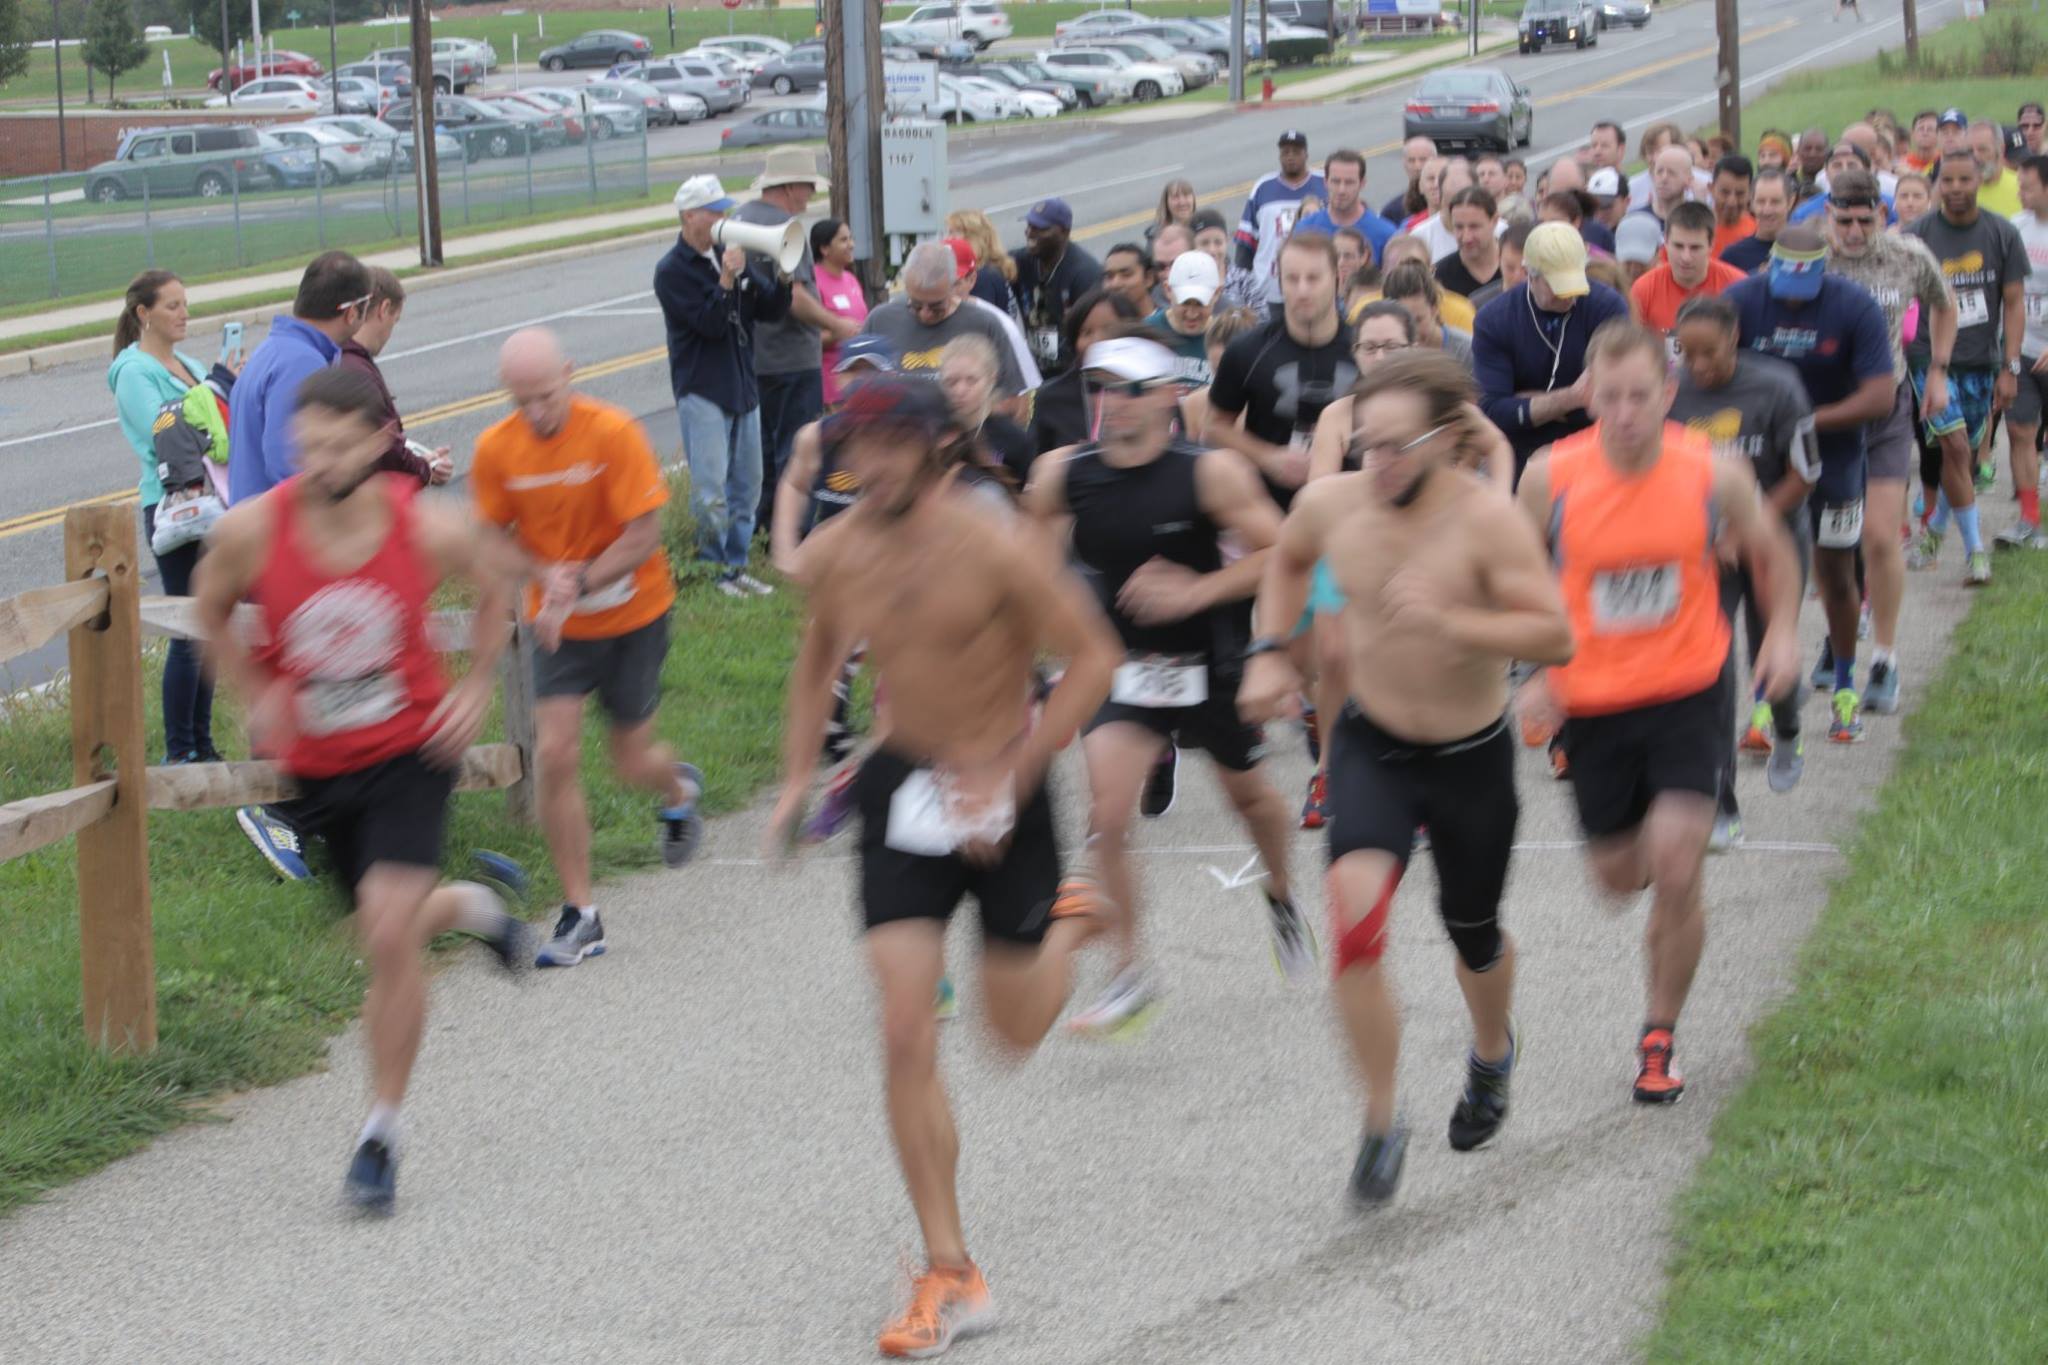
231	341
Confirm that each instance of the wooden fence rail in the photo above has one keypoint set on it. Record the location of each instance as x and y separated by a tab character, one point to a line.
113	788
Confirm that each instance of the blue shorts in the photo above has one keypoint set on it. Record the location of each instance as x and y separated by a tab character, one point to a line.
1969	404
1325	598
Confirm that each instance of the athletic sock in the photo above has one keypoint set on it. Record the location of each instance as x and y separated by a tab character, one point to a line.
1966	523
1938	523
477	909
381	1126
1845	672
1883	654
1486	1068
2030	507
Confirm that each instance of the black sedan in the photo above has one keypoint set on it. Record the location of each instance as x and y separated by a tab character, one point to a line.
801	68
1470	107
483	131
601	48
1615	13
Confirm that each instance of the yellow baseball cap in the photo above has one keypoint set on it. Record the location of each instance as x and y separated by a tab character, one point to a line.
1557	253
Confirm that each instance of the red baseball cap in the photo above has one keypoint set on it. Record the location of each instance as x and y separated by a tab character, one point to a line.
963	257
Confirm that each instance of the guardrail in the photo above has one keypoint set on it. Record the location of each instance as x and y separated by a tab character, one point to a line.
101	607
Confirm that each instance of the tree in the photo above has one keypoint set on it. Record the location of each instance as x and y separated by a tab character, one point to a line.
206	23
113	40
15	37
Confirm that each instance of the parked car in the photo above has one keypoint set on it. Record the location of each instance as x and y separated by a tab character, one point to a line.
1147	80
1612	13
549	126
454	72
275	95
482	129
475	49
661	109
724	63
279	63
1471	107
1184	35
979	24
340	156
1094	86
602	117
1291	44
393	76
930	43
208	160
1324	16
1196	69
800	68
721	93
388	149
600	47
1063	91
777	125
1557	21
352	95
753	50
1028	103
1097	24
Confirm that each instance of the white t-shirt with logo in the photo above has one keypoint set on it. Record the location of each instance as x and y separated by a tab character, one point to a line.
2034	235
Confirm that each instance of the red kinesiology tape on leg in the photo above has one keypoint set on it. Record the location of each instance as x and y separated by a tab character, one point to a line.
1365	941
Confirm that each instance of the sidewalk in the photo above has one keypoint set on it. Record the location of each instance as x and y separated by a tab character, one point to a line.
677	1152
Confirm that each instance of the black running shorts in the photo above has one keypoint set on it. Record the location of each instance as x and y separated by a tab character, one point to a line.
392	812
1015	893
1382	787
1213	726
1621	761
624	671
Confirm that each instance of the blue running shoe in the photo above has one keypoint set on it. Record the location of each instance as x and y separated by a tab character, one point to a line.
682	828
277	841
577	935
1378	1170
1881	693
371	1185
835	809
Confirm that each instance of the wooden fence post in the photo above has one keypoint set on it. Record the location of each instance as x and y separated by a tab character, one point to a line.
517	665
116	947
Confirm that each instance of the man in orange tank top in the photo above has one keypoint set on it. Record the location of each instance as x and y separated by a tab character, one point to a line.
341	562
1637	512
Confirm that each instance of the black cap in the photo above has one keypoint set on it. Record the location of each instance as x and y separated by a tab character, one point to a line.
1295	137
2015	142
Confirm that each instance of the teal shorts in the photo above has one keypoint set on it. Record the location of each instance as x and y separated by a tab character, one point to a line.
1325	598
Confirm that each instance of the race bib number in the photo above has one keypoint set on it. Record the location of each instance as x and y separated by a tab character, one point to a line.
1045	344
327	708
1161	681
2037	309
927	822
1841	526
616	593
1971	310
1630	600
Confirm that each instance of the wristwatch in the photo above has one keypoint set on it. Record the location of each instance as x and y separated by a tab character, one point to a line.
1264	644
2015	367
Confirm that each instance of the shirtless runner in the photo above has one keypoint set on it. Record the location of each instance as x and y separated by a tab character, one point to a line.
955	607
1443	586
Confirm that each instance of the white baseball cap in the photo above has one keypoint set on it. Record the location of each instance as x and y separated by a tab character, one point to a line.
1132	358
1604	183
1194	276
702	192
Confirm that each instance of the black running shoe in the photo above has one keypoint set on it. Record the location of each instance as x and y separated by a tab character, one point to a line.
682	828
1159	786
1378	1171
372	1182
1483	1108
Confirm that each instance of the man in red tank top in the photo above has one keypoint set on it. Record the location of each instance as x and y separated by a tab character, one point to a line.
1637	512
340	562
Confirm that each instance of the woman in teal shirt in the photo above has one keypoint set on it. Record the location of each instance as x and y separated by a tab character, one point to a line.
147	373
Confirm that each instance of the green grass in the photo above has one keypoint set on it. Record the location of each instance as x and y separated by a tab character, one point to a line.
1878	1190
254	976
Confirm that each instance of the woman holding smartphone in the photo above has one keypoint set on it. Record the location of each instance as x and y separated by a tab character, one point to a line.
148	371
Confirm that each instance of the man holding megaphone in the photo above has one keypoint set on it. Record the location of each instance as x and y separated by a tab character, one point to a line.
711	298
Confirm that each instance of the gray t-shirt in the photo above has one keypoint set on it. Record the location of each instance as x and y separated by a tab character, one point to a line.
790	345
1762	413
1897	269
1979	261
918	344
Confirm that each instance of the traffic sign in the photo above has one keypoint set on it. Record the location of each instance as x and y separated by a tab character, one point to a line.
730	4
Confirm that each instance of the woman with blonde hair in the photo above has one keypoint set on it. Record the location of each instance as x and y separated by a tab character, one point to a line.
994	271
1176	205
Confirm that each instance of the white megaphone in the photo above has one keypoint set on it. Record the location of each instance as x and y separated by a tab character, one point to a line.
784	245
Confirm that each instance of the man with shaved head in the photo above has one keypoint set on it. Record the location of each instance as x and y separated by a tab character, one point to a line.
576	484
1414	153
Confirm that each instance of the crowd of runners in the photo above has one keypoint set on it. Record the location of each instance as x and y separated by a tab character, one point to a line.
1508	461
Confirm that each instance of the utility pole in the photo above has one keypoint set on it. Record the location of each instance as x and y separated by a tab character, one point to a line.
256	33
227	58
1472	31
856	100
1909	16
423	135
1728	73
1237	51
57	56
333	61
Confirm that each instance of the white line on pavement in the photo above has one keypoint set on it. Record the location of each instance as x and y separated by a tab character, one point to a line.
1152	174
468	337
61	431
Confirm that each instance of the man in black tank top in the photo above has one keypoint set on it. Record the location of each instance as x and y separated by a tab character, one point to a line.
1147	510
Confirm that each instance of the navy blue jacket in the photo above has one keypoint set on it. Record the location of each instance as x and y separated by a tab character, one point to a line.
711	329
1510	356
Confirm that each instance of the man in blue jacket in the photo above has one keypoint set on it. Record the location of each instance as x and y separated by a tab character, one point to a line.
1529	344
710	300
333	300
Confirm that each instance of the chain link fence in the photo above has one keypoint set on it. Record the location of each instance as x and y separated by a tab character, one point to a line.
70	236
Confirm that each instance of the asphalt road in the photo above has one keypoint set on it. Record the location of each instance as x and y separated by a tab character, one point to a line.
58	442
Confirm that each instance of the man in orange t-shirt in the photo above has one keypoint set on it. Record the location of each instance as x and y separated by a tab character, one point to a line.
1689	268
1733	176
578	487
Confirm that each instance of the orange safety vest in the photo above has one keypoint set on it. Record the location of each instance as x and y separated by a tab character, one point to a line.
1636	562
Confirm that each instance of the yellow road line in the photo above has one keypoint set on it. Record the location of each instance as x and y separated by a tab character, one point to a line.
32	521
1653	68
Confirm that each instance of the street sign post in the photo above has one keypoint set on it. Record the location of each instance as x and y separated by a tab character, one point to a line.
730	6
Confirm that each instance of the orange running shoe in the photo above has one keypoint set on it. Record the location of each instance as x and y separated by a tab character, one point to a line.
945	1302
1657	1082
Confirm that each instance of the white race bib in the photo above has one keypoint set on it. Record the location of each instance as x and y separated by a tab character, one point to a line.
1160	681
327	708
2037	308
1045	343
1970	308
616	593
1841	526
1626	601
925	823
